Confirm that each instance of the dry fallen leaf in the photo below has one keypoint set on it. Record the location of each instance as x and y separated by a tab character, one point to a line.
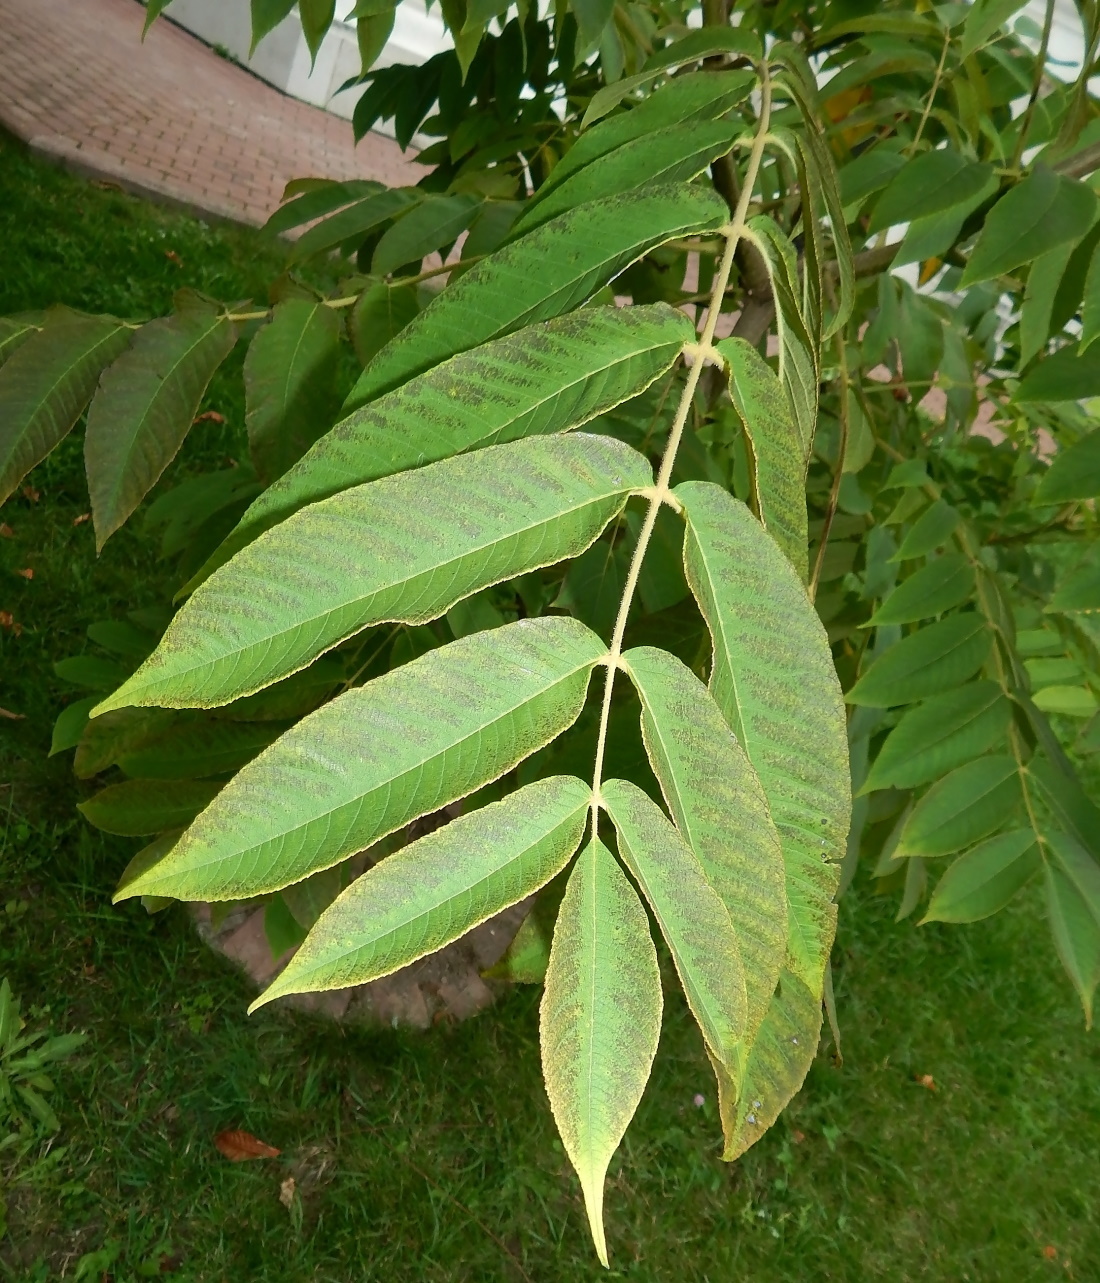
173	257
13	717
286	1192
210	416
26	573
798	1137
1050	1252
240	1146
84	516
29	492
926	1080
6	532
10	623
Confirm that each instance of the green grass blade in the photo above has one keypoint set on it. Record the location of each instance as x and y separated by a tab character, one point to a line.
544	379
290	383
379	756
777	460
719	806
435	890
145	405
404	549
47	382
548	273
600	1020
694	921
773	678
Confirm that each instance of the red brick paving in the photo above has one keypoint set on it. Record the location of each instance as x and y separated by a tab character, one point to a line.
169	118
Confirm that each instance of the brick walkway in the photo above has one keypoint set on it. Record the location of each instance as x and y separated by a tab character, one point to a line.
169	118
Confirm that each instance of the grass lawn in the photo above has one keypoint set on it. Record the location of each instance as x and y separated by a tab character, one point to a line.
434	1157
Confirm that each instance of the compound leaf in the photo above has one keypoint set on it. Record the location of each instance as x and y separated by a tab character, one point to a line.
403	549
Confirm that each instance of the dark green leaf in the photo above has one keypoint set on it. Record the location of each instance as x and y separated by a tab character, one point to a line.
139	807
930	531
1066	375
70	724
944	582
382	312
317	16
290	384
145	405
47	382
930	184
438	221
966	805
981	882
355	220
934	659
266	16
943	732
1075	472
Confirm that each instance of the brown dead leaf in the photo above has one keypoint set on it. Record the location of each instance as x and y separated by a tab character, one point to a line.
9	622
13	717
173	257
209	416
25	573
798	1137
926	1081
286	1192
29	492
1050	1252
240	1146
84	516
6	532
928	269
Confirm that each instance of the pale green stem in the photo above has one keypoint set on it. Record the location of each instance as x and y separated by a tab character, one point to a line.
701	352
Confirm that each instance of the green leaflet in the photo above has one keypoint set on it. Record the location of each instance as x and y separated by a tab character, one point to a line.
403	549
435	890
1067	375
145	405
930	531
1074	474
438	221
966	805
353	222
930	184
777	461
945	731
1079	588
317	201
106	738
984	20
266	16
16	330
981	882
1032	218
700	95
547	378
140	807
693	919
773	678
599	1020
1044	284
47	382
1073	909
547	273
720	809
290	383
799	359
195	750
70	724
945	582
382	312
376	757
778	1063
934	659
671	155
870	172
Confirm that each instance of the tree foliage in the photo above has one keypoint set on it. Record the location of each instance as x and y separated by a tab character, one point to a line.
734	456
